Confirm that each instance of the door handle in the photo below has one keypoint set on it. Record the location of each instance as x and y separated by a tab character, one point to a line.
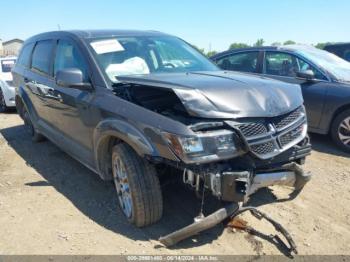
52	95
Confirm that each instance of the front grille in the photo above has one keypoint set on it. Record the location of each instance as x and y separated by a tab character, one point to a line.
264	148
252	129
268	137
285	120
291	136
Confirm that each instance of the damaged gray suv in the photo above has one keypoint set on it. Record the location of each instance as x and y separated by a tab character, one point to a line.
137	107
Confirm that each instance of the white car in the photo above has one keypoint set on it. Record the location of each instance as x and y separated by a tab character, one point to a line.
7	90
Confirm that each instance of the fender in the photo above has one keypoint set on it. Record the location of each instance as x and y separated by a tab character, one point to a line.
124	131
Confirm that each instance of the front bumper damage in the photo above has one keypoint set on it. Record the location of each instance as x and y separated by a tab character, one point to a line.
236	187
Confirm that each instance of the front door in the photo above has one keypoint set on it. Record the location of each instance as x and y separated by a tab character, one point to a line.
73	117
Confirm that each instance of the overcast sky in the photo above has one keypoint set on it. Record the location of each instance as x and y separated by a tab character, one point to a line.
207	24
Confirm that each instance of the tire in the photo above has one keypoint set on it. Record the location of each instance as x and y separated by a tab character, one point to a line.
340	130
3	107
35	135
137	186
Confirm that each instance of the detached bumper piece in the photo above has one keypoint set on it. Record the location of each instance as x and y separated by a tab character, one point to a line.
229	211
199	226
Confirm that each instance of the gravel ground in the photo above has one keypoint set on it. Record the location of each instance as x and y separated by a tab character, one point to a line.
51	204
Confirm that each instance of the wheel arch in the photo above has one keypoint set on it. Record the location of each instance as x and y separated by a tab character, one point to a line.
111	132
336	113
24	102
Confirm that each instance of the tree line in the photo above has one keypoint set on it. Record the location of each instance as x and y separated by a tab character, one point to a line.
259	42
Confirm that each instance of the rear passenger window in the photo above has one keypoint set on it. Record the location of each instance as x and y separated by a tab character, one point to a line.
24	57
41	56
68	56
244	62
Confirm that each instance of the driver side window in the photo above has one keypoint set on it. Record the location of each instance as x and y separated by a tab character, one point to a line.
68	56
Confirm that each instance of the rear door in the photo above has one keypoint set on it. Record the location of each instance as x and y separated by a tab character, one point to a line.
284	66
38	81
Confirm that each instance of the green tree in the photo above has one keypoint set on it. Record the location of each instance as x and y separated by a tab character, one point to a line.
199	49
238	45
289	42
276	44
322	45
259	42
211	53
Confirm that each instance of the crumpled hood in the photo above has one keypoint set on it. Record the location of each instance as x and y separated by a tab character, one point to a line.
221	94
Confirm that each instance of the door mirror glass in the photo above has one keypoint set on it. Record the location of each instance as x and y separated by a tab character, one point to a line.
306	74
71	77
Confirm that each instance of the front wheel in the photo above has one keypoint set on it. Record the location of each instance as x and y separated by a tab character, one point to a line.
340	130
137	186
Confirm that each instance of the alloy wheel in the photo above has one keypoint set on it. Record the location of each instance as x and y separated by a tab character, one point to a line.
122	186
344	131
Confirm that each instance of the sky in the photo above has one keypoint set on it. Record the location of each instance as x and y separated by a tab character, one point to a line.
212	25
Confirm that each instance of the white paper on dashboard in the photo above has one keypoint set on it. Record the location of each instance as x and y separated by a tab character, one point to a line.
135	65
107	46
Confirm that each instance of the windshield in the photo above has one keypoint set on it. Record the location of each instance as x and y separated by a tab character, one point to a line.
7	65
332	63
147	55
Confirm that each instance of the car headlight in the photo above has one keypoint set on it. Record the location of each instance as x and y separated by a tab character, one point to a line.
204	146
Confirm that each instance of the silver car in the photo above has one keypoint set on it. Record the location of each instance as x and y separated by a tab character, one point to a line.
7	90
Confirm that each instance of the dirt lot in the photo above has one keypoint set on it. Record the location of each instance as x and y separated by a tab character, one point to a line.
51	204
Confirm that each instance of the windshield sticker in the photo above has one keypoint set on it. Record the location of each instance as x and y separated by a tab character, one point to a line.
107	46
131	66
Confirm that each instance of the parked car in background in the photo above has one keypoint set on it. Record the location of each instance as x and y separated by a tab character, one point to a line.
342	50
134	106
323	77
7	90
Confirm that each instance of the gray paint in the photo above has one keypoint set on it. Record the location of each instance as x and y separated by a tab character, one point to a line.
222	94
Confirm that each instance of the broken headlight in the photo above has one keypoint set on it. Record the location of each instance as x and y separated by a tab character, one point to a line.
204	146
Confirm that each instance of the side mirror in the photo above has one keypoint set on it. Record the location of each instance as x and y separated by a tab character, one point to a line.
306	74
71	77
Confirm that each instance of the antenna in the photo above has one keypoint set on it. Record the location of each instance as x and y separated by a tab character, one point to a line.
59	27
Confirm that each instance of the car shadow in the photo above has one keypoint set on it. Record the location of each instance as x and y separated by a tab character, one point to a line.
97	199
324	144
